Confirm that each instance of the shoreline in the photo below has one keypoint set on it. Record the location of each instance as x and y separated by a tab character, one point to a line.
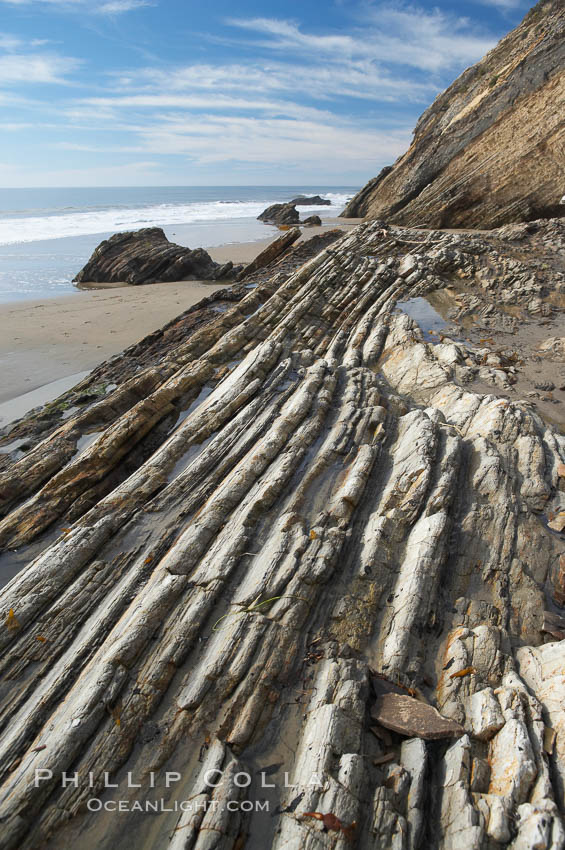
238	252
45	340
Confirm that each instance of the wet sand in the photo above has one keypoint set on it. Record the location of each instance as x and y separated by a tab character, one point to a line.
45	340
244	252
42	341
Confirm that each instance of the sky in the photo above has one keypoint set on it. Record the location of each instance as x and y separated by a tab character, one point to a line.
178	92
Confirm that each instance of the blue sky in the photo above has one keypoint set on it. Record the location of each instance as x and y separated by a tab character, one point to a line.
166	92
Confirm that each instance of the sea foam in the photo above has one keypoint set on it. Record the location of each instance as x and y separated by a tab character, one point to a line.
14	230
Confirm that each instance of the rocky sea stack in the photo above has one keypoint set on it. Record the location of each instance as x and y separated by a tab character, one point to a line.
280	214
147	256
284	214
313	200
491	149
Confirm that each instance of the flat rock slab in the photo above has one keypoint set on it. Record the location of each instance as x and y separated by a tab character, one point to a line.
414	719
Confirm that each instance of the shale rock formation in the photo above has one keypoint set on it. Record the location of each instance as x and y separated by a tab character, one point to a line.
490	150
235	557
271	252
147	256
18	438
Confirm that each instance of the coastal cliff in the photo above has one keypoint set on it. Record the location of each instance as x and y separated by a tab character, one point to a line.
490	150
298	538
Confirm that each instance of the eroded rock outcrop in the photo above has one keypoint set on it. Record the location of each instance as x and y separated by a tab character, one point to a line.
490	149
147	256
303	496
280	214
271	252
314	200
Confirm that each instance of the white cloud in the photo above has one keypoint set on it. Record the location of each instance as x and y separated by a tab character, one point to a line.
9	42
112	7
287	34
253	113
46	2
195	102
217	139
129	173
21	63
311	139
502	4
14	127
303	101
396	34
356	79
117	7
35	68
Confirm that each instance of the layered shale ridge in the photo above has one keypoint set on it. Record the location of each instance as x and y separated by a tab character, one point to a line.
490	150
308	537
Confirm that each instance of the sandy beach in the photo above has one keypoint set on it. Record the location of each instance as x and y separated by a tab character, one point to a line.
244	252
42	341
46	340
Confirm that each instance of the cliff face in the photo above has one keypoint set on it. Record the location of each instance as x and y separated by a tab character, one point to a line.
491	149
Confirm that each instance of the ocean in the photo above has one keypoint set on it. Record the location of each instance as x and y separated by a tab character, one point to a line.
47	235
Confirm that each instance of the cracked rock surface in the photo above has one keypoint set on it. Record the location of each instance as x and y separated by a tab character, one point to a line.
303	497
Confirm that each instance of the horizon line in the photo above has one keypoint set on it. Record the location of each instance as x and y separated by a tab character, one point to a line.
187	186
